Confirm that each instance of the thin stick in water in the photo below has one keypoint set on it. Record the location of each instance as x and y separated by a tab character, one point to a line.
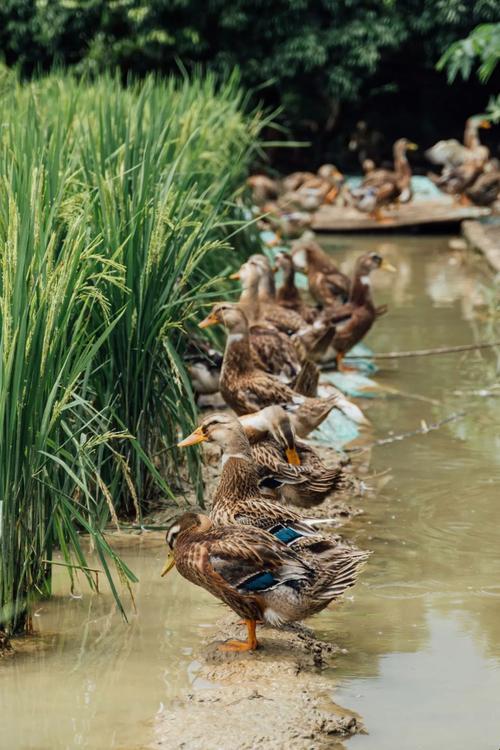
425	352
422	430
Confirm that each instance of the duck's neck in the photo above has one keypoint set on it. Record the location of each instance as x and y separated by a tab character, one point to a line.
238	480
267	288
361	292
401	163
471	135
237	355
249	301
289	290
319	261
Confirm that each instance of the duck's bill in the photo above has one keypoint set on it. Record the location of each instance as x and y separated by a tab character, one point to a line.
210	320
169	564
386	266
486	124
412	146
292	457
235	276
196	437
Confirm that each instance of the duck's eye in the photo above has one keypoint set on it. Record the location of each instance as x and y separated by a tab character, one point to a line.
377	258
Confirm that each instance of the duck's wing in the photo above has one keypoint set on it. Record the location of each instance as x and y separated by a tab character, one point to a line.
262	389
252	561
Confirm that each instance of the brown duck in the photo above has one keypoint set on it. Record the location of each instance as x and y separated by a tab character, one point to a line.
360	306
247	389
256	303
256	575
288	295
239	499
286	463
327	284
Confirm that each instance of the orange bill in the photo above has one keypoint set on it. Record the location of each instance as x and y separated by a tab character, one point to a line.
210	320
196	437
292	457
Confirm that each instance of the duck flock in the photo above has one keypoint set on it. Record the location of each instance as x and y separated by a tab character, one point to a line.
261	550
468	174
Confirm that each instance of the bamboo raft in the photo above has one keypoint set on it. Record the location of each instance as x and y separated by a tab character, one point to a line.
421	213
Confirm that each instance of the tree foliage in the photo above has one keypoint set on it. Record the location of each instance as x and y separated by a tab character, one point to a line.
312	54
482	44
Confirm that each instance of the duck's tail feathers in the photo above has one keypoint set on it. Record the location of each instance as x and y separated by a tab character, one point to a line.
340	575
328	481
306	382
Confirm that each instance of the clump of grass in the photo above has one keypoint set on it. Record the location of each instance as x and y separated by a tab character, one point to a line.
116	209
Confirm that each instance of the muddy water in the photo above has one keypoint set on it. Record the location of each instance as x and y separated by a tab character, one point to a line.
91	681
422	629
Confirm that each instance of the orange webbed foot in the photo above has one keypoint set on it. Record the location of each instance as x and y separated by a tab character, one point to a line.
238	646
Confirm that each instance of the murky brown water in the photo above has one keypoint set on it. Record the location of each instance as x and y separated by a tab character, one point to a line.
423	626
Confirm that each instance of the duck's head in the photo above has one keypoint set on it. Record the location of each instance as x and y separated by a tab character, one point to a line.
262	266
476	121
403	145
372	262
330	173
305	251
283	261
249	275
368	166
179	525
275	421
223	429
226	314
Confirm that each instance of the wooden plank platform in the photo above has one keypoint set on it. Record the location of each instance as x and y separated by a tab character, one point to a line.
420	213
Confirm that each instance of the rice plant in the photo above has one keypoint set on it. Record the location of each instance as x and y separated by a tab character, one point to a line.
117	206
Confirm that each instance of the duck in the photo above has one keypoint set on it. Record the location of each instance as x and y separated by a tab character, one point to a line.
360	306
288	295
266	286
239	498
280	457
486	188
312	190
327	284
203	365
462	164
294	180
381	187
254	574
263	188
450	153
334	179
477	151
256	300
284	220
456	181
247	389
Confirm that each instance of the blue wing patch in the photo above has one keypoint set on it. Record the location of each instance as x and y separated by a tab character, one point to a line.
259	582
285	534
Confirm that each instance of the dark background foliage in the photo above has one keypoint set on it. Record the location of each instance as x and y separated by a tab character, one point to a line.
325	63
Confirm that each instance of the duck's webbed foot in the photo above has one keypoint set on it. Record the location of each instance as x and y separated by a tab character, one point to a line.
249	645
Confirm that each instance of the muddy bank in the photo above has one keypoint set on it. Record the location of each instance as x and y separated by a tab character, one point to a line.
275	698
